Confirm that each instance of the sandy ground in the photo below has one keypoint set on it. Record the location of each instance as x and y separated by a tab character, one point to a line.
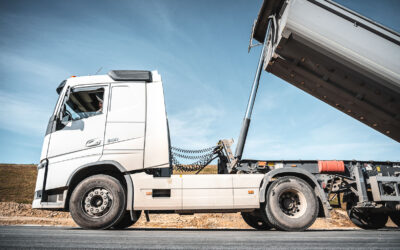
12	213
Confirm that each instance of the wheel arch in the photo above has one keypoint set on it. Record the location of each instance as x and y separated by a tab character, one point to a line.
302	174
111	168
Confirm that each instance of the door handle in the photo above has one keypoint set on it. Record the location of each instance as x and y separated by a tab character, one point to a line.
93	142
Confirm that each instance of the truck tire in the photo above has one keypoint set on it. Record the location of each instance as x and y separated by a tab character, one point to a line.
98	202
126	220
291	204
365	219
395	217
255	220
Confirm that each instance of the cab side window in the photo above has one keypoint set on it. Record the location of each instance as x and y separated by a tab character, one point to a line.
83	103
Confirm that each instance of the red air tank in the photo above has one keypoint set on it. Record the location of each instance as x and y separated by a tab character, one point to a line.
331	166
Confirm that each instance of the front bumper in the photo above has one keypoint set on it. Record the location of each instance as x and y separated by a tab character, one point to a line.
54	201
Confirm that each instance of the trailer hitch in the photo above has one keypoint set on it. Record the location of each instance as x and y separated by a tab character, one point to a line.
202	158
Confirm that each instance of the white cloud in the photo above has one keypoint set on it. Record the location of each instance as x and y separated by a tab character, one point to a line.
325	143
22	115
193	128
23	64
318	150
169	28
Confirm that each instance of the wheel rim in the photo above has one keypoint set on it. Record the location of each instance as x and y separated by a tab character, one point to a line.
97	202
292	203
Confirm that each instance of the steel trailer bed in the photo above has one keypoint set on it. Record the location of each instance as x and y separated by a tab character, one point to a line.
337	56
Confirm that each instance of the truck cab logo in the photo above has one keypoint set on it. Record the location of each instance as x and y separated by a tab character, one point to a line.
112	140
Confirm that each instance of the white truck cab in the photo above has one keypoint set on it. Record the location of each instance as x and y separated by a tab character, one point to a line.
117	119
116	124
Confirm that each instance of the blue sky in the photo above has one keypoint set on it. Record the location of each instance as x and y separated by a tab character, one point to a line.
199	48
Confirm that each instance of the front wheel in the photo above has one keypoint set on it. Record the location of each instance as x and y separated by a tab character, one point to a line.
98	202
291	204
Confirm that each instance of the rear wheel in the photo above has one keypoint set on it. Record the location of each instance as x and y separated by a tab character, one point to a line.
98	202
365	219
395	216
127	221
255	220
291	204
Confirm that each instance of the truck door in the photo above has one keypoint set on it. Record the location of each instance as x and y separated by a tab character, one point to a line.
125	126
81	133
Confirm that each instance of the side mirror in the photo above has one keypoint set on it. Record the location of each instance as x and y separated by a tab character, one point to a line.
66	118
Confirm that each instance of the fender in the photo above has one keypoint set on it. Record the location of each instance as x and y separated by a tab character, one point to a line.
128	179
299	173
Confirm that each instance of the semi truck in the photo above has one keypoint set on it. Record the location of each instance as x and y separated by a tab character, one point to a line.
107	155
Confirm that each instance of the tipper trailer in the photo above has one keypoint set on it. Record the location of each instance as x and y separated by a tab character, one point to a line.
107	156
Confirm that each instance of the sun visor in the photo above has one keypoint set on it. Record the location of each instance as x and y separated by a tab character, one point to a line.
131	75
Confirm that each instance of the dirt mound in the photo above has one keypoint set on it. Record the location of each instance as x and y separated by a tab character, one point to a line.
13	209
17	182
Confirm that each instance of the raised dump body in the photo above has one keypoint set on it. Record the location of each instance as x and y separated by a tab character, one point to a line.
338	56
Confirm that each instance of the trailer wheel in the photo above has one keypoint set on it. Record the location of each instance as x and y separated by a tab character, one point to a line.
127	221
365	219
395	216
291	204
255	220
98	202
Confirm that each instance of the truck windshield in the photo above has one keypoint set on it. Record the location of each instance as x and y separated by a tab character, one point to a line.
84	103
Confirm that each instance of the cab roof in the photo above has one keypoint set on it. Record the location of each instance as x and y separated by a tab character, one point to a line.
112	76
